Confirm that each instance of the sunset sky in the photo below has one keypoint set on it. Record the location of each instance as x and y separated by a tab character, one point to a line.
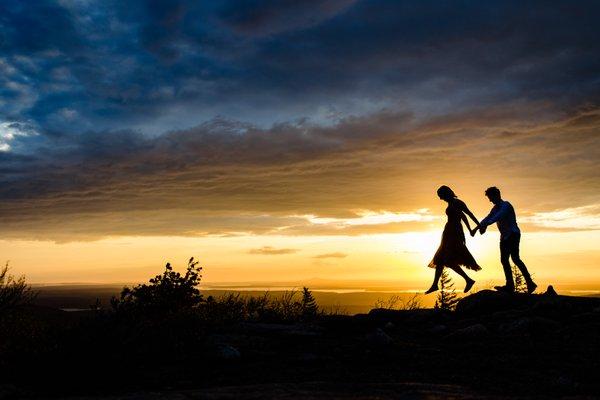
286	140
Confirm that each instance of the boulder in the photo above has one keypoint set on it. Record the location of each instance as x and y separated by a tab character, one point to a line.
550	291
438	329
297	329
227	352
528	325
471	332
379	338
516	327
399	317
487	302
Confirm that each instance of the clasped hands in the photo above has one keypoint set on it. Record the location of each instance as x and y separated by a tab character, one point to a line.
481	229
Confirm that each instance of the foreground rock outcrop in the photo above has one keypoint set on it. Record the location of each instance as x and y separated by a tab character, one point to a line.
551	304
494	346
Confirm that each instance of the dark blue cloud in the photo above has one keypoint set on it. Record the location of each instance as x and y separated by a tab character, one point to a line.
158	65
36	26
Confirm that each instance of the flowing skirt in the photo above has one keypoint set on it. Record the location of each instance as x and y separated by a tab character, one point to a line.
453	251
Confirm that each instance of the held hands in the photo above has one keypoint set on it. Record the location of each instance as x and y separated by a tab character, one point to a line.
481	229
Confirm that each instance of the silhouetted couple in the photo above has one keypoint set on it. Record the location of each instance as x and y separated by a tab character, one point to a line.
453	252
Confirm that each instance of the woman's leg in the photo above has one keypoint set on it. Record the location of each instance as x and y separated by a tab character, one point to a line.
469	281
436	278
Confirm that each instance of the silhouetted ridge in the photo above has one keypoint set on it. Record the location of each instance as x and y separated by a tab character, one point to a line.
487	302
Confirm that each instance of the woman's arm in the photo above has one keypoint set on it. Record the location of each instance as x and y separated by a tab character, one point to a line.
465	210
464	218
469	213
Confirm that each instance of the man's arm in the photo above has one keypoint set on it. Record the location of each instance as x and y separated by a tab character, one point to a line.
484	222
495	215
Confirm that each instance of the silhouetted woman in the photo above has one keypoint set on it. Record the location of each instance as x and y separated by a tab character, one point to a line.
453	251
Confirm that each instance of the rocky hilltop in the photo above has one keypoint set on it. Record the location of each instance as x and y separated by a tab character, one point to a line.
495	346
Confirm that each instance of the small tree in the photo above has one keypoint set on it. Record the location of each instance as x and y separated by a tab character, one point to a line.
520	284
308	304
391	303
413	303
14	292
447	298
169	292
397	302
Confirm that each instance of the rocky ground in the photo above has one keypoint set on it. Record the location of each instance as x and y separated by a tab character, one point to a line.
493	346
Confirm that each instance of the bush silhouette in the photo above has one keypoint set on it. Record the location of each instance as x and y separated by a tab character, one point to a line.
172	296
290	306
14	292
168	293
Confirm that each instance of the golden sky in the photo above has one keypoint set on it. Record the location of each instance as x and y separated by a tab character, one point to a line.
295	140
362	209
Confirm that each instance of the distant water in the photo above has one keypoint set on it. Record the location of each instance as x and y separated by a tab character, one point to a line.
353	300
292	288
584	292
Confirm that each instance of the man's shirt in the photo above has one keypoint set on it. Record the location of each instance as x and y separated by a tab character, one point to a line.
503	214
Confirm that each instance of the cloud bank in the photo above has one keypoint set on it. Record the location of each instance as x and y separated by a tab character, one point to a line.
275	117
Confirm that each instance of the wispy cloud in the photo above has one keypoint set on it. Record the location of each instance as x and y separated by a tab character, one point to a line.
366	217
331	255
577	218
271	251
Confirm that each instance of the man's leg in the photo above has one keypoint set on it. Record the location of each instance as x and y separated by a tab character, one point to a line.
505	248
514	254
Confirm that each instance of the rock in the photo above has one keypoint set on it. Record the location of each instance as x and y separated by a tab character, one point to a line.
438	329
519	327
526	325
284	329
486	302
472	332
399	317
552	306
379	338
541	325
592	317
8	392
566	383
550	291
308	357
508	315
227	352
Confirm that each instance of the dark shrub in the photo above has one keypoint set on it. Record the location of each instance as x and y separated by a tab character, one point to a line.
165	294
14	292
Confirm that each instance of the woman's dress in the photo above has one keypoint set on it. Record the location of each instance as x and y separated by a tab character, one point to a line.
453	250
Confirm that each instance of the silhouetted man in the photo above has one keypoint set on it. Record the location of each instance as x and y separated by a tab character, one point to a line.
503	214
